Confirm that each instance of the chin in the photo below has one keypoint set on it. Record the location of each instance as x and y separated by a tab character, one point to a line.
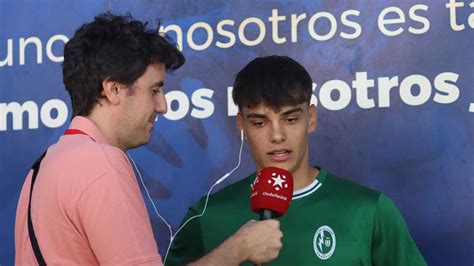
139	143
144	142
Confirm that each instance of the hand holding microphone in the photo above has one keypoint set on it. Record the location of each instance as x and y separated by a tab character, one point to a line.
258	241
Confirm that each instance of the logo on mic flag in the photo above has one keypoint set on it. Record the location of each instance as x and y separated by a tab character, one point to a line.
272	190
278	181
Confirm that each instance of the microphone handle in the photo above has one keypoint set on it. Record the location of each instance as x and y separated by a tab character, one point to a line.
266	214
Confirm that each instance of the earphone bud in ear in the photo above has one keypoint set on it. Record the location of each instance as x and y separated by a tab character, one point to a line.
241	134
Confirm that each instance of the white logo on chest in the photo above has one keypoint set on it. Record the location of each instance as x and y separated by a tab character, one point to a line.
324	242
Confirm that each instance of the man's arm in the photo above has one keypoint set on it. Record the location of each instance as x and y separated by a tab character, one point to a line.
256	242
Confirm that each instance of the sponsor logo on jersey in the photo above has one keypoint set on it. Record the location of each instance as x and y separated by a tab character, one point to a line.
324	242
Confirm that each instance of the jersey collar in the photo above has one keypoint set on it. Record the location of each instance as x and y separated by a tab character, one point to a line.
311	188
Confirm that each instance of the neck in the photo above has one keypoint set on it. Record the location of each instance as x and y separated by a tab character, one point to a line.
107	125
303	176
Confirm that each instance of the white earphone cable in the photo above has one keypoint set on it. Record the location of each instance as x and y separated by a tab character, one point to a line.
205	204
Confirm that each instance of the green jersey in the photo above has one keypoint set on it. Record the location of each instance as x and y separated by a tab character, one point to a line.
332	221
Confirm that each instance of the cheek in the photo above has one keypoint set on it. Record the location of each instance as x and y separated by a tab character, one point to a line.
148	104
257	143
256	137
299	137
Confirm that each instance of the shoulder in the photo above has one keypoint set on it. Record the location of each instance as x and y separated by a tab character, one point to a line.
350	190
362	197
234	194
81	158
231	190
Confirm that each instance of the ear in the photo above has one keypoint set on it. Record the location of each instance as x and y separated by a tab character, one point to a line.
313	118
111	91
240	123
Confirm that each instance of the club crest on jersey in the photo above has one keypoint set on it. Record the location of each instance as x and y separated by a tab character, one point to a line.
324	242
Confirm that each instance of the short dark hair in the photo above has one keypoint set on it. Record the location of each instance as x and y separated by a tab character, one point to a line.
114	47
276	81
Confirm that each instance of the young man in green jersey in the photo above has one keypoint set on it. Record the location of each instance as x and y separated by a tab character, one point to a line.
331	221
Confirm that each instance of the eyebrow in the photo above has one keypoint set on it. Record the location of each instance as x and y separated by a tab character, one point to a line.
294	110
291	111
255	115
158	84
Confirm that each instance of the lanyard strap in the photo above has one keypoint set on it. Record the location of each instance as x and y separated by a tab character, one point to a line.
36	167
31	231
73	131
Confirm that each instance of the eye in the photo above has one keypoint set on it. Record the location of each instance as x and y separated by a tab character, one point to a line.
291	120
155	91
258	123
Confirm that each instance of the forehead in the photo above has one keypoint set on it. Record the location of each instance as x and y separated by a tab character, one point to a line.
154	73
263	109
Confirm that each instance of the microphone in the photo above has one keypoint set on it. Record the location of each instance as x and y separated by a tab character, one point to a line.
272	192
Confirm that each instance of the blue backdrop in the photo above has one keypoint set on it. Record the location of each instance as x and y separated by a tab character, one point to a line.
393	84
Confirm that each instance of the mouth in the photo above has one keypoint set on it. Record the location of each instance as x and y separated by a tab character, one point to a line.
153	120
151	124
279	155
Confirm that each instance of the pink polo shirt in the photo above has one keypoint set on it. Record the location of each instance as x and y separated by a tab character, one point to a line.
86	206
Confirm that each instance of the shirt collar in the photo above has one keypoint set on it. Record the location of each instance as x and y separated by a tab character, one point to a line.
89	127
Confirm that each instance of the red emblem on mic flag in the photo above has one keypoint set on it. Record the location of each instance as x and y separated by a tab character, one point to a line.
272	190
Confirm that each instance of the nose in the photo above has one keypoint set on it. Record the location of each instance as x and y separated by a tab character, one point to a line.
161	106
277	134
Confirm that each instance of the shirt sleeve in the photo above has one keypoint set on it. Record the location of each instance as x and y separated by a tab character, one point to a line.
392	243
188	244
115	222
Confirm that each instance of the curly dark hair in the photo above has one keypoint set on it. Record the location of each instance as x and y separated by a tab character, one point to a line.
114	47
276	81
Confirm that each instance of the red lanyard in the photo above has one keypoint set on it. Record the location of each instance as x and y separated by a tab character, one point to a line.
72	131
